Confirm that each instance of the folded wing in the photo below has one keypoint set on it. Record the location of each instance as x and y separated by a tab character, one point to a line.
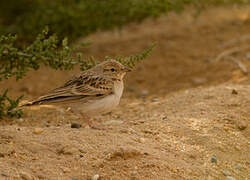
82	87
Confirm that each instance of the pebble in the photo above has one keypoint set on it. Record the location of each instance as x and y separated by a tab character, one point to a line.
132	131
142	140
113	122
248	55
124	131
165	118
20	120
67	150
237	148
133	173
144	92
155	100
2	174
234	91
95	177
41	176
199	81
38	130
213	160
238	167
230	178
65	169
70	151
1	155
25	176
242	125
83	151
226	173
76	125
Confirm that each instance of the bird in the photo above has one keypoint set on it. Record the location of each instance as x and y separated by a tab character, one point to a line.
94	91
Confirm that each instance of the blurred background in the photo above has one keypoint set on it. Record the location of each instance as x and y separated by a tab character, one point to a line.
185	109
190	35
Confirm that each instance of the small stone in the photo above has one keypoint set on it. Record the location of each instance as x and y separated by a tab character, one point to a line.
142	140
20	120
67	150
199	81
248	55
95	177
65	169
238	167
4	175
155	100
144	92
213	160
25	176
83	151
230	178
113	122
76	125
238	148
132	131
133	173
1	155
193	156
40	176
70	151
234	91
226	173
38	131
165	118
242	125
124	131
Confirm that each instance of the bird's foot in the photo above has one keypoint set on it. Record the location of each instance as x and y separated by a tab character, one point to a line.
94	126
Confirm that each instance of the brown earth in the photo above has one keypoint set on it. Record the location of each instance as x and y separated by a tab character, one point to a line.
183	114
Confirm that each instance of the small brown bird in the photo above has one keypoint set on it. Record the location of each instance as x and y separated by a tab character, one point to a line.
94	91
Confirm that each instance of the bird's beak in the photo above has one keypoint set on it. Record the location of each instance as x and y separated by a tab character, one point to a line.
127	69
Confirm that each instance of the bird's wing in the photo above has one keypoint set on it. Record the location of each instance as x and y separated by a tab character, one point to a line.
85	86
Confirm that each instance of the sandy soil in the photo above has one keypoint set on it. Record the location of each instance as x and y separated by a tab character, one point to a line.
183	114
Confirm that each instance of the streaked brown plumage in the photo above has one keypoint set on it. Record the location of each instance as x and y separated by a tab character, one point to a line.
93	91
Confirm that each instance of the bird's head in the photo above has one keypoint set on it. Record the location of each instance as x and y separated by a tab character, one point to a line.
111	69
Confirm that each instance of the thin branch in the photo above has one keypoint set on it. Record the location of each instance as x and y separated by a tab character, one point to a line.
230	52
239	63
234	41
43	57
24	54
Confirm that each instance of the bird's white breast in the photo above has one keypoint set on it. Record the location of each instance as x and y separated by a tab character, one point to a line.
118	89
105	104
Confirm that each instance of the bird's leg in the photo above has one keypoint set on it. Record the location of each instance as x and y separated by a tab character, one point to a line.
90	123
85	118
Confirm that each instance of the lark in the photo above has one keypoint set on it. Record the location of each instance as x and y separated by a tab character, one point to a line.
95	91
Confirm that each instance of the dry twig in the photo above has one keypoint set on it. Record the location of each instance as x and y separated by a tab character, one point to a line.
230	52
234	41
239	63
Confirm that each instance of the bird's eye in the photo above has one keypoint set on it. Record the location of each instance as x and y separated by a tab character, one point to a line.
112	70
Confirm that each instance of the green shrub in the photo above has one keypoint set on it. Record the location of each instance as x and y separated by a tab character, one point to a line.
74	18
46	50
70	18
7	106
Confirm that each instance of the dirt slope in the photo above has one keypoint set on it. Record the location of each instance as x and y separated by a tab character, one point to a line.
182	116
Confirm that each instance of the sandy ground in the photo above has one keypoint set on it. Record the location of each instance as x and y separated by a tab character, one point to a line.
183	114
